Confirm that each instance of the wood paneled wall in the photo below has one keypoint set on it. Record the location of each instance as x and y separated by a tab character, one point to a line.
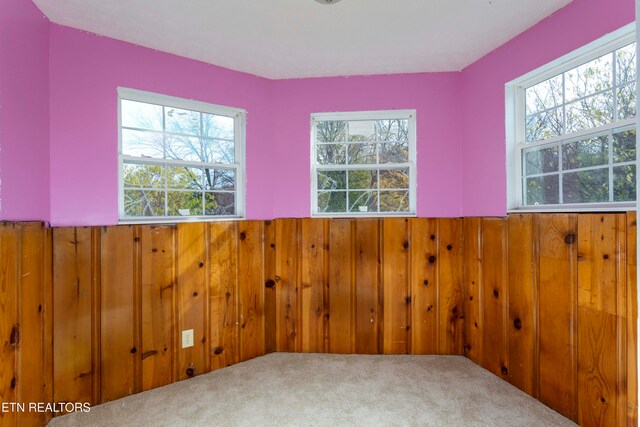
551	307
25	320
545	301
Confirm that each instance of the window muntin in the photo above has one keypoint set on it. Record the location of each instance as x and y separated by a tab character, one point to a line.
363	163
179	159
577	132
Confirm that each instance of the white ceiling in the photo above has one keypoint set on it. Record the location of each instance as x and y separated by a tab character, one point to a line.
302	38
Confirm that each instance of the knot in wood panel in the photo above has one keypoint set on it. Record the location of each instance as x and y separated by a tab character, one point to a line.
517	323
449	247
405	244
504	370
432	259
217	351
243	235
570	238
269	283
14	338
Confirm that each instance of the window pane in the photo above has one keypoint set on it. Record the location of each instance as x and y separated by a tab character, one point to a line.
332	154
143	203
627	102
332	201
141	115
143	176
585	153
394	201
142	144
331	131
219	179
184	148
626	63
394	152
624	146
217	127
362	154
590	112
544	95
364	179
394	178
186	122
544	125
363	201
219	204
184	177
624	183
184	203
332	180
543	190
590	186
363	130
541	160
218	151
392	130
589	78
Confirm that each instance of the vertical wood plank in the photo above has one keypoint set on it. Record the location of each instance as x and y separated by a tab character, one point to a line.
225	349
9	267
598	343
30	348
287	305
192	298
367	284
313	279
632	320
157	300
396	287
557	318
495	341
450	293
251	289
72	315
474	289
270	313
118	336
341	328
47	310
424	285
523	303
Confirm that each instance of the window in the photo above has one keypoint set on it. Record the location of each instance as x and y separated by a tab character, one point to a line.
363	163
179	159
573	136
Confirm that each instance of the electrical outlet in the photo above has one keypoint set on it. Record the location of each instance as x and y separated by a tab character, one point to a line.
187	338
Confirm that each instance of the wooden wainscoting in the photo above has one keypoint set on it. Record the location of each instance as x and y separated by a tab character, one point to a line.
551	307
545	301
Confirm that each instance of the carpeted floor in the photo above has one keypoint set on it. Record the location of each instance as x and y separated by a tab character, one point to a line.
286	389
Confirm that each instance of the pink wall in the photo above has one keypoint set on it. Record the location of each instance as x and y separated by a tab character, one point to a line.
85	71
434	96
482	86
24	112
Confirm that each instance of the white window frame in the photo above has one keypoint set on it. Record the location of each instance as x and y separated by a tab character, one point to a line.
239	116
410	115
515	122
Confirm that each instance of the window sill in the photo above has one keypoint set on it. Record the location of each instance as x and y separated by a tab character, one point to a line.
176	220
622	207
365	215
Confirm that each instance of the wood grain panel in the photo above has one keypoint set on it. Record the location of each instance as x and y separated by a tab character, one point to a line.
397	300
157	305
557	318
495	343
287	304
341	292
118	303
474	289
9	328
632	320
192	298
523	302
251	289
424	286
225	347
367	285
270	313
314	278
73	371
450	292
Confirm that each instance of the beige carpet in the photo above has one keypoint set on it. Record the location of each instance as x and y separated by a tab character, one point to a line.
285	389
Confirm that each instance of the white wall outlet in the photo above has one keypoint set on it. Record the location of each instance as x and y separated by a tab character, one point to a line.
187	338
